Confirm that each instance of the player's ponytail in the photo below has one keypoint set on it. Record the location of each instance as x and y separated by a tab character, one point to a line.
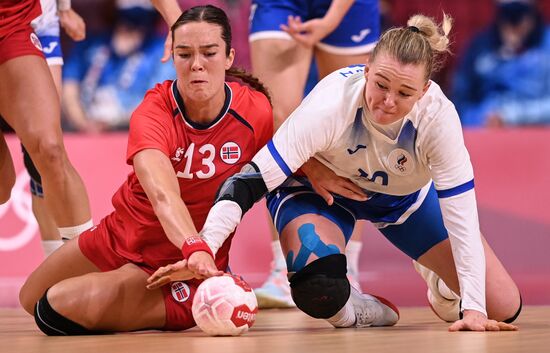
249	79
422	42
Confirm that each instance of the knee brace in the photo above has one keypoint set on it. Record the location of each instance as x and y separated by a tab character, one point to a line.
52	323
321	288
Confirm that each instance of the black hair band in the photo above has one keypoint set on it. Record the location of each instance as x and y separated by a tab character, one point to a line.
413	29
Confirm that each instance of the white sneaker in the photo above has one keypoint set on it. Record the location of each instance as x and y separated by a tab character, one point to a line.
275	292
446	309
371	310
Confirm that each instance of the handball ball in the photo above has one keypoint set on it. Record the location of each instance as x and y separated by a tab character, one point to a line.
224	306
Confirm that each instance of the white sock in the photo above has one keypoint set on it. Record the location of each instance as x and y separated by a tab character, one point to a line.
279	263
68	233
445	291
49	246
353	249
345	317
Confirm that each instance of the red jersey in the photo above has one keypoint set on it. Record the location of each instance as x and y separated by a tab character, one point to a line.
17	14
202	157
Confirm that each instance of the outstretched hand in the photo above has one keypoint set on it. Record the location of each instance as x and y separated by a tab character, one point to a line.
476	321
178	271
325	182
200	265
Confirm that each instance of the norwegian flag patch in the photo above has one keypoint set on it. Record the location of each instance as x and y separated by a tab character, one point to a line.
180	291
230	153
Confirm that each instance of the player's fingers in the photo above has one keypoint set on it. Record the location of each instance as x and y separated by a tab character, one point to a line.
352	194
292	21
491	325
180	265
325	194
159	282
353	187
506	327
457	326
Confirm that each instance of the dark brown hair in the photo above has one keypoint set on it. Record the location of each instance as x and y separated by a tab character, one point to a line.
214	15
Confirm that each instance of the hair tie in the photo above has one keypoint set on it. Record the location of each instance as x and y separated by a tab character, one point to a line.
413	29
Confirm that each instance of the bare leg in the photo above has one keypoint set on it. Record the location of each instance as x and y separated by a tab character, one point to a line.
7	171
328	62
502	294
110	301
65	263
353	250
282	65
36	122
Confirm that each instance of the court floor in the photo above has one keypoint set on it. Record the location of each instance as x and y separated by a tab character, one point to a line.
292	331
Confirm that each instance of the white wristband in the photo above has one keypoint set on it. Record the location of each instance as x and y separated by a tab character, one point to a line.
63	5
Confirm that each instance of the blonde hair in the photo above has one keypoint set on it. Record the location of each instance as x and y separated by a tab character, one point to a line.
422	42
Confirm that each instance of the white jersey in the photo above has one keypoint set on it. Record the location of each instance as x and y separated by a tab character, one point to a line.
47	24
332	124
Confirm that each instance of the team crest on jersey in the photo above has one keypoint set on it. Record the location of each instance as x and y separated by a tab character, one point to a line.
177	155
230	153
180	291
400	162
35	41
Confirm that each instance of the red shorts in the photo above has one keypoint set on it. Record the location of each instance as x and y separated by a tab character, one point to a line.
96	245
21	42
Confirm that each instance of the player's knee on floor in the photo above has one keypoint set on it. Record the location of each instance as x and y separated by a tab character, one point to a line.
321	288
52	323
515	316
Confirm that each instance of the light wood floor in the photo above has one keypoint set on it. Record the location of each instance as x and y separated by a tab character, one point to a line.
291	331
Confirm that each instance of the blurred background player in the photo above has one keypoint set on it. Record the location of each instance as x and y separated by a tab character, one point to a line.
496	83
106	75
30	105
46	27
285	37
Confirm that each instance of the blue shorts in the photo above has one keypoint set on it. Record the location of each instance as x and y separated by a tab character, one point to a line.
413	223
51	47
46	27
357	33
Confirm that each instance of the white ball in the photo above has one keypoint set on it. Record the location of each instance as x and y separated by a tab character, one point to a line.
224	306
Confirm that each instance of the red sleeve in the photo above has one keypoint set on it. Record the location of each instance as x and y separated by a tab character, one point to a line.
150	124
